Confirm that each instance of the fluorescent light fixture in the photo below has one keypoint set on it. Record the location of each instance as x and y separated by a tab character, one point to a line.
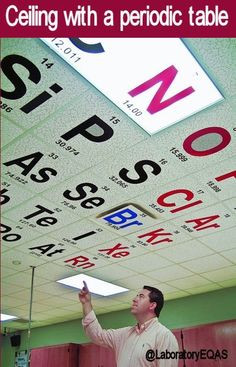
95	285
5	317
157	82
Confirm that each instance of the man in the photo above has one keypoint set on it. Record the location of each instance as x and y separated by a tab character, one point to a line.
143	345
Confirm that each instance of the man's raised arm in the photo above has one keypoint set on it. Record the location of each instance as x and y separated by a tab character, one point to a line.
85	299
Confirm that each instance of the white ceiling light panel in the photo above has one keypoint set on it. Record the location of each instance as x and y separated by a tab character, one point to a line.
157	82
5	317
96	286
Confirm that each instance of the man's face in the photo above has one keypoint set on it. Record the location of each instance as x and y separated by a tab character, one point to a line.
141	303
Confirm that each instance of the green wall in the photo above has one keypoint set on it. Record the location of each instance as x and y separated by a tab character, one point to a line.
183	312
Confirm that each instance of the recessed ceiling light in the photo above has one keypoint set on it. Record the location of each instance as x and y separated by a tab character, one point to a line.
95	285
5	317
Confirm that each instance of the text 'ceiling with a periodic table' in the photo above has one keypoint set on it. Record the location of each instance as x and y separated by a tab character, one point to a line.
118	162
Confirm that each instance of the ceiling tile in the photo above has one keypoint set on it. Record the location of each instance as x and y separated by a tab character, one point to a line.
5	271
40	214
206	263
190	282
27	46
52	272
25	278
83	234
84	196
37	164
219	179
221	241
204	132
48	249
230	255
209	220
117	250
112	272
177	294
145	263
167	288
205	288
228	283
36	307
161	236
216	60
97	115
37	295
169	273
24	263
125	218
14	195
231	204
9	131
14	234
221	275
69	84
137	282
81	261
185	251
108	302
10	289
9	302
173	200
54	289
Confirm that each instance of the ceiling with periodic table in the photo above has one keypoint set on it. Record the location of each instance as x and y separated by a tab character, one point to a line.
85	189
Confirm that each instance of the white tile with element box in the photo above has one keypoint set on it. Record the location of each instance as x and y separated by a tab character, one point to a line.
185	88
126	218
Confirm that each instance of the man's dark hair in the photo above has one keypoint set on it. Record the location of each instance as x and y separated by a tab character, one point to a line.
155	295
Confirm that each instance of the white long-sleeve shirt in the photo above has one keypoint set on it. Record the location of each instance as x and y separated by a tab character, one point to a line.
130	344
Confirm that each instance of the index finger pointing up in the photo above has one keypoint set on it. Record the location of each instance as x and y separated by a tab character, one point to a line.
85	287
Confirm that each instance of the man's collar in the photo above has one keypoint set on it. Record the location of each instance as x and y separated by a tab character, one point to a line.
140	328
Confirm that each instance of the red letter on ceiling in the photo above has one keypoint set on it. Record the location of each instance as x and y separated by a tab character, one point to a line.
166	78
